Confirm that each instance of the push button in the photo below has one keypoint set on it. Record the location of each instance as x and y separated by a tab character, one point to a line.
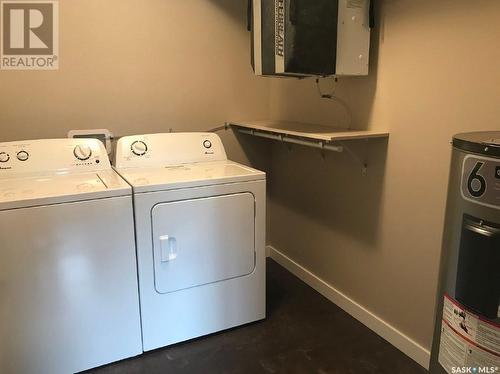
4	157
207	144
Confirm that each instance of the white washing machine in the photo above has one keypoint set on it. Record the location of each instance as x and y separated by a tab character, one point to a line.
68	276
200	231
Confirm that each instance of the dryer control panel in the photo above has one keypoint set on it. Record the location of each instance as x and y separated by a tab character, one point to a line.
52	155
157	150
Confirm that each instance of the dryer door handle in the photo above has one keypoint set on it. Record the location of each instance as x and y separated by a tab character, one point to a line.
168	248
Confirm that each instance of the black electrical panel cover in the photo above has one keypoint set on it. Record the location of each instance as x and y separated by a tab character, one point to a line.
310	37
294	37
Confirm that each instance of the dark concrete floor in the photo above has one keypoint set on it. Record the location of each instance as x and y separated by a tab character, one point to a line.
303	333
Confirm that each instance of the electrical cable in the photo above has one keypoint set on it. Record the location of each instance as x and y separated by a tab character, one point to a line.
331	96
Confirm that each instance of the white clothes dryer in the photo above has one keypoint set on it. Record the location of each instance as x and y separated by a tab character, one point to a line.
200	231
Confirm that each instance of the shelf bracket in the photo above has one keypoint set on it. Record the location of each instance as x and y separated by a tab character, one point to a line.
362	163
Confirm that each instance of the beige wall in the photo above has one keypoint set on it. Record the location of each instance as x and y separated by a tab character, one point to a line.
436	73
138	67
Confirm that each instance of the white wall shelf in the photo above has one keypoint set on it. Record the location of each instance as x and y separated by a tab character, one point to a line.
318	136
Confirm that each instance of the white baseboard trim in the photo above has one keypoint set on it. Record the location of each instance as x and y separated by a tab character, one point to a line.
404	343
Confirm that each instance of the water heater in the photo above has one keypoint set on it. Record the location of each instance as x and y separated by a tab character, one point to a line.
467	330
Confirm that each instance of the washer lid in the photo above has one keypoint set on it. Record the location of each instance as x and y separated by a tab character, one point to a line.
60	188
189	175
485	142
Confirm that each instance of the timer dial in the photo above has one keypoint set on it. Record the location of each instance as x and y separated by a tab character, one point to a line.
23	156
82	152
139	148
4	157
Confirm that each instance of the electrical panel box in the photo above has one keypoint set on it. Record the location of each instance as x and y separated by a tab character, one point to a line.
302	38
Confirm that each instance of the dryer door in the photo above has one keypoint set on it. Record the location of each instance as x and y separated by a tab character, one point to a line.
202	241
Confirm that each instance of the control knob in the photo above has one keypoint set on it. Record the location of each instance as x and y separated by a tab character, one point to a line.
139	148
4	157
23	156
82	152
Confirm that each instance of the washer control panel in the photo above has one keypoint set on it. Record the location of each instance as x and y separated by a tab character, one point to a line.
57	155
156	150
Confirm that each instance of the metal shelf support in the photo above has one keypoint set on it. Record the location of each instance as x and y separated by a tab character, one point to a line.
289	139
322	145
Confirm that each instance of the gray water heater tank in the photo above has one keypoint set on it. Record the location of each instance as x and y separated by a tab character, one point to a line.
467	330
